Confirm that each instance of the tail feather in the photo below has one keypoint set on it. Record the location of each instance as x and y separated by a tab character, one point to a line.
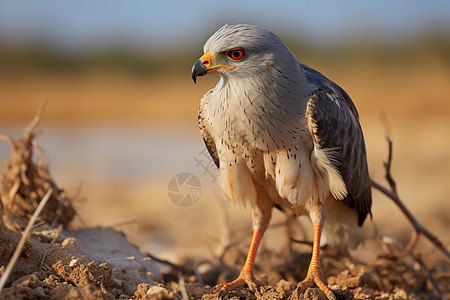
341	229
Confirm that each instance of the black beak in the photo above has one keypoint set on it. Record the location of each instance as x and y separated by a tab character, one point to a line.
198	69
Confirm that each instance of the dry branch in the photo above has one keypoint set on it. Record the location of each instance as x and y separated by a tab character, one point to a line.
166	262
393	195
23	239
182	286
57	232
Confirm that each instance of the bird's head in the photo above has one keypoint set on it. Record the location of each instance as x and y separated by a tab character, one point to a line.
237	51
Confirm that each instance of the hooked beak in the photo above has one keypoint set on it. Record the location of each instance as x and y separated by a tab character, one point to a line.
198	69
204	65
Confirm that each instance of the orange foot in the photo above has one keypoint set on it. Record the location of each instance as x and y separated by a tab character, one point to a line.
315	279
244	279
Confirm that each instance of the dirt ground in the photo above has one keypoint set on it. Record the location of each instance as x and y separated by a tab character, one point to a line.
48	268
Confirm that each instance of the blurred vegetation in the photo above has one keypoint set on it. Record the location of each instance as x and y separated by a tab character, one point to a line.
17	59
36	57
433	45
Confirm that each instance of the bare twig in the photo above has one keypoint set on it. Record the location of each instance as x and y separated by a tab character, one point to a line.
198	275
392	194
29	130
132	220
23	239
7	138
309	243
57	233
122	258
166	262
430	275
182	286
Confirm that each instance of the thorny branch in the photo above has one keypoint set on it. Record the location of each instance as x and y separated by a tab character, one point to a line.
393	195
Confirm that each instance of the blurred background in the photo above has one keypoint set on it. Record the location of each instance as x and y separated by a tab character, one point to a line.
121	120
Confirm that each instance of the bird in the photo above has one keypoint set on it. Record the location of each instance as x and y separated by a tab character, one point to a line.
282	135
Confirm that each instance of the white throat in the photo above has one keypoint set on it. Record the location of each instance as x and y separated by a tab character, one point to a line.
261	114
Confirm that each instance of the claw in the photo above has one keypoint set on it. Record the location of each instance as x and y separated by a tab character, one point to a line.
253	287
331	296
246	277
315	280
214	289
241	281
303	286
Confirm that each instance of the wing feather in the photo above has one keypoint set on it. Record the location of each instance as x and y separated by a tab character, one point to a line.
334	125
203	124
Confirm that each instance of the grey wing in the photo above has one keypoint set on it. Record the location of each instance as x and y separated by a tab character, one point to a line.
203	124
333	123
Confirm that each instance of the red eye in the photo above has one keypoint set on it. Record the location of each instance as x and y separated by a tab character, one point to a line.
236	54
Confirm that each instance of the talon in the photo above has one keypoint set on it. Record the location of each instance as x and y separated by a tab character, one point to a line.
219	295
240	282
214	289
246	277
331	295
315	280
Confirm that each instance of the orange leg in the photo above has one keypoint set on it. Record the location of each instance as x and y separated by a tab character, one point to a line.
315	276
261	218
246	277
250	261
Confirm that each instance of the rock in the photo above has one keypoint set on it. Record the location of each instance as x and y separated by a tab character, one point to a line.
106	245
158	293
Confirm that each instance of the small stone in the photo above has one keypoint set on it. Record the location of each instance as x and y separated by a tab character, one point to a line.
314	294
39	291
156	290
383	296
284	285
70	241
205	267
158	293
335	287
74	263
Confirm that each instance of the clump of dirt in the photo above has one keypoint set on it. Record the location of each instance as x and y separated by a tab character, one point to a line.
25	182
81	274
64	268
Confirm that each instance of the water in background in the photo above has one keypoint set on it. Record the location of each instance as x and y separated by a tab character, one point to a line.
116	152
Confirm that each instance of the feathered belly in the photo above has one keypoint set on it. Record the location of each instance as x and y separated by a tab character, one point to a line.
290	177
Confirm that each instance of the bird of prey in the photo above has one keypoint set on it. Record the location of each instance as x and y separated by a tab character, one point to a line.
282	134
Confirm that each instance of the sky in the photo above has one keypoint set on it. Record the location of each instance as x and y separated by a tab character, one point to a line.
84	24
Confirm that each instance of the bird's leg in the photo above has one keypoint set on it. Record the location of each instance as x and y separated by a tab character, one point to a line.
314	276
261	219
